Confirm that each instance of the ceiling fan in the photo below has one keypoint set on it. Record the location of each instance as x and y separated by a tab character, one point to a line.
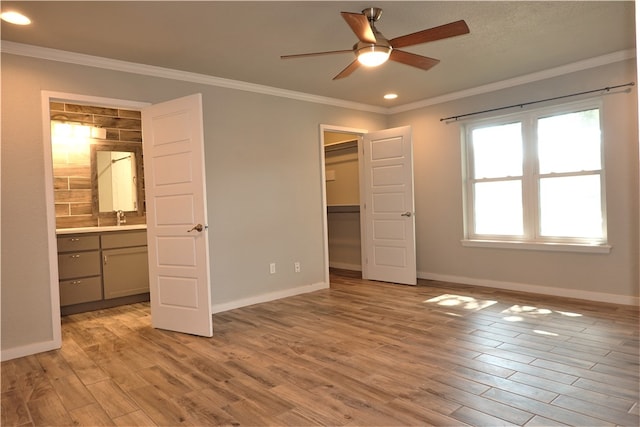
373	49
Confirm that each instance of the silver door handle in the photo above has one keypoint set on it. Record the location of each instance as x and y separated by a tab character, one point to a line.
197	227
407	214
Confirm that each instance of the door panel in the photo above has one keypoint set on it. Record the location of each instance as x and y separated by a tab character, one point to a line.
178	292
176	202
391	230
175	210
389	209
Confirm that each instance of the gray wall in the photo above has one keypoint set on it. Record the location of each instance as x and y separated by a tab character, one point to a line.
438	186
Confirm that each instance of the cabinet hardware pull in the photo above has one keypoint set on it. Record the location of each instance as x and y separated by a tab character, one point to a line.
76	282
74	239
74	256
105	260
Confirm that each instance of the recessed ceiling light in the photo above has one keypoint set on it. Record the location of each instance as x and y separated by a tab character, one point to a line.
15	18
391	96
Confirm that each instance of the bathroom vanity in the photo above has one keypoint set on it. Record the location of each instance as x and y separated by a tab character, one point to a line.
101	267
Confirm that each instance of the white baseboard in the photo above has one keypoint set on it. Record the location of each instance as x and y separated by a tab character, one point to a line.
271	296
345	266
27	350
536	289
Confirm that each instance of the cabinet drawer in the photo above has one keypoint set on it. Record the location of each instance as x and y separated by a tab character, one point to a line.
120	239
78	243
78	264
76	291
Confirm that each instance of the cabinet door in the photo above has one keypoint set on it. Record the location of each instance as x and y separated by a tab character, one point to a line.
125	272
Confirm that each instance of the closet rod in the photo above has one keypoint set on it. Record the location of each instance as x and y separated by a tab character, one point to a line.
521	105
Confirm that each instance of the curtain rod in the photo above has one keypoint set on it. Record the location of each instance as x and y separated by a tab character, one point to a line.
605	89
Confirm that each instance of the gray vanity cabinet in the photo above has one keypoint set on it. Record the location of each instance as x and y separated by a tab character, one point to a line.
79	269
102	269
125	268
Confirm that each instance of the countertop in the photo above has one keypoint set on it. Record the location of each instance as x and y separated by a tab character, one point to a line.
100	229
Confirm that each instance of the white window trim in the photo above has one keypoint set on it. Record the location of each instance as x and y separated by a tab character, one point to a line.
537	246
531	239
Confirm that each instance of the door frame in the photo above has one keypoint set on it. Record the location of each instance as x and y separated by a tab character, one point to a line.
325	227
52	242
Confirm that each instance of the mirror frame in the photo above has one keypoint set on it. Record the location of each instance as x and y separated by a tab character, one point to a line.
133	147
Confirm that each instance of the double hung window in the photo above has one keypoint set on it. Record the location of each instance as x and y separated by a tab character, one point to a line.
536	177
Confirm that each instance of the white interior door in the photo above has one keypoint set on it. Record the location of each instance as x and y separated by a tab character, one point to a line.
177	216
388	217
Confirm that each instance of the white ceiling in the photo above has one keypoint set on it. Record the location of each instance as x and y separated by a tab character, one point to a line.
244	40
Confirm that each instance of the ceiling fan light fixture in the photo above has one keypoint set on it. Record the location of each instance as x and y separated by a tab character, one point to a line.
15	18
373	55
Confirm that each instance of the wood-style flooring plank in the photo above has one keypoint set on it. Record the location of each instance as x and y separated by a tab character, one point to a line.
91	414
48	410
13	409
112	398
73	394
551	411
137	418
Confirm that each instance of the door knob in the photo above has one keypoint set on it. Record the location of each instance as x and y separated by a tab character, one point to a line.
407	214
197	227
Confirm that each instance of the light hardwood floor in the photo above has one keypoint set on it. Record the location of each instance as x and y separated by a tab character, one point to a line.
361	353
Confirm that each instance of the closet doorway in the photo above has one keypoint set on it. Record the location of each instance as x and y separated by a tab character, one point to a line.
376	214
342	170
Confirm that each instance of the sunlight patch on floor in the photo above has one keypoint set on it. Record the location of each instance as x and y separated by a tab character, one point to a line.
460	301
515	313
547	333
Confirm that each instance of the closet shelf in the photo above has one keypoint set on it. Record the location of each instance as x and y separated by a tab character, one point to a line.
343	208
343	145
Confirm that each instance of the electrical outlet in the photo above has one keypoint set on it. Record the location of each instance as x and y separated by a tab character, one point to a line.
272	268
296	267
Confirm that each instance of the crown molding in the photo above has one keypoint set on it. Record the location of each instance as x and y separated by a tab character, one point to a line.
167	73
586	64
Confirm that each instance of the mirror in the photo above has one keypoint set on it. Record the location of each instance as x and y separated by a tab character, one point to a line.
116	177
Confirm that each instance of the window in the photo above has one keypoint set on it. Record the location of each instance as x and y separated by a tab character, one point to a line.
536	178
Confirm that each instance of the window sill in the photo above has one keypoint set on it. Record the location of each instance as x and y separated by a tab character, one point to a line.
552	247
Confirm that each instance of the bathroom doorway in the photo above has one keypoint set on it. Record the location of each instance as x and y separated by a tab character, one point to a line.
75	206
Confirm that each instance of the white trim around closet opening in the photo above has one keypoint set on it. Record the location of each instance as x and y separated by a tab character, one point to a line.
325	224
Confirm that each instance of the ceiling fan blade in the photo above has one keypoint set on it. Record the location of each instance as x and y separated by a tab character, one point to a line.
347	71
302	55
419	61
436	33
360	26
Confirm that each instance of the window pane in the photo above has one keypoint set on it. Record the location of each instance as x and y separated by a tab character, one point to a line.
497	151
569	142
498	208
571	207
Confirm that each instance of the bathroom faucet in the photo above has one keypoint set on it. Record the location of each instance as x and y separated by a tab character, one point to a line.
120	219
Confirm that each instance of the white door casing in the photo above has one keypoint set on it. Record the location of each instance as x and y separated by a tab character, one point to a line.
389	214
175	193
